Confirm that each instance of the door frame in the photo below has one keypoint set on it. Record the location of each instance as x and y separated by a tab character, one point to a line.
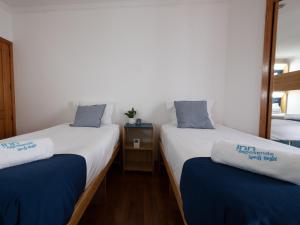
268	70
12	82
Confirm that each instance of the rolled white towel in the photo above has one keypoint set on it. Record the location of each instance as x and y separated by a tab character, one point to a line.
19	152
276	163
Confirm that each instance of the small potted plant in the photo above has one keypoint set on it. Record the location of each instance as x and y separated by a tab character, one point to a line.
131	114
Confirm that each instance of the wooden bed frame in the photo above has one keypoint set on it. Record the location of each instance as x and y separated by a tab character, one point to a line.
172	182
91	190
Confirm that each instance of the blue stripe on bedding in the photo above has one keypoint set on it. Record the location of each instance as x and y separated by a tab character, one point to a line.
216	194
42	192
296	144
292	143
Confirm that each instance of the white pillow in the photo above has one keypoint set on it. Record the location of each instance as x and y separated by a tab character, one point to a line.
171	108
108	112
276	108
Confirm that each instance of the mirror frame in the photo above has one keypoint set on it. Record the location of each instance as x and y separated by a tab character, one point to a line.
286	82
272	8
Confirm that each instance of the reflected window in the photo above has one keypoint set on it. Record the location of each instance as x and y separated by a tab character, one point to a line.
281	68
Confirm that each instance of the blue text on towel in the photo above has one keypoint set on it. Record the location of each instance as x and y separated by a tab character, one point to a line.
253	154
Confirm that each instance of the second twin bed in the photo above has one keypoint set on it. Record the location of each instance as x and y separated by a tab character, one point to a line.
215	194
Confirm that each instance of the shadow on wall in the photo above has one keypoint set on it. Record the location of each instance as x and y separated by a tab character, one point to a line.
64	115
157	115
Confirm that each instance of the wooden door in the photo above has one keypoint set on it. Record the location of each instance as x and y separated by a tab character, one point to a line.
7	112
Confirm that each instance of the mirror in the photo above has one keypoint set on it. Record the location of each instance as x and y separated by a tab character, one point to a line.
285	119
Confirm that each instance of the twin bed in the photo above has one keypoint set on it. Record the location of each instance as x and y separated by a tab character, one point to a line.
286	131
215	194
59	189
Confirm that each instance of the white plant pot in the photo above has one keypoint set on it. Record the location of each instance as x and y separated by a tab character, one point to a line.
131	120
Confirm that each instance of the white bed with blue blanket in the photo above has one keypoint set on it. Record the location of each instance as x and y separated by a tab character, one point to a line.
45	192
215	194
286	131
94	144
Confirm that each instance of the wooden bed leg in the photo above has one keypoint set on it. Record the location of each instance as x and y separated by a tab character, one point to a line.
170	191
159	162
105	188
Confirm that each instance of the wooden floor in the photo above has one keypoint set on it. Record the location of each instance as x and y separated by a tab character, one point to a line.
133	198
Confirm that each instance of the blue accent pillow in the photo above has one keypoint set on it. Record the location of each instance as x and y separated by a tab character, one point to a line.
192	114
89	116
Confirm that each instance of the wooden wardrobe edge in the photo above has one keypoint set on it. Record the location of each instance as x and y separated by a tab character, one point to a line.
11	58
271	19
12	80
90	191
5	40
173	182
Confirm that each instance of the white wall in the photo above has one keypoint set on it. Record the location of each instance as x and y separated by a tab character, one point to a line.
244	65
293	106
295	64
132	55
5	22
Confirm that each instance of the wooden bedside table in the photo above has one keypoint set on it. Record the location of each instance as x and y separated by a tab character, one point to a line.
138	158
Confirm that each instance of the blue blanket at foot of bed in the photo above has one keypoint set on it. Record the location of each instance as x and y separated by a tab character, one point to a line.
216	194
42	192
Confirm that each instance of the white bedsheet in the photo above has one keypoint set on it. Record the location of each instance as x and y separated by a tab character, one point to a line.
94	144
183	144
287	130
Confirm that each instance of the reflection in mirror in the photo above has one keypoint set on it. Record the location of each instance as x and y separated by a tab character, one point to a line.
288	37
285	125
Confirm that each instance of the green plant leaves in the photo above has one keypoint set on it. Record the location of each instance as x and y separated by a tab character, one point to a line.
131	113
